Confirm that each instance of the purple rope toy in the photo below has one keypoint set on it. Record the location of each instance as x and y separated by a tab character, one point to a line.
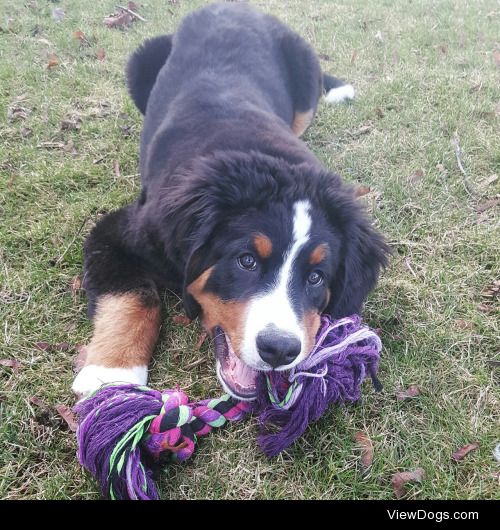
127	432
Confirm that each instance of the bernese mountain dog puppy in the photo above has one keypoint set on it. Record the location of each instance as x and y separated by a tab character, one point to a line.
235	212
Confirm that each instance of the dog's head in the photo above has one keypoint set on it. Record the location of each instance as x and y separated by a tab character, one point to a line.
271	247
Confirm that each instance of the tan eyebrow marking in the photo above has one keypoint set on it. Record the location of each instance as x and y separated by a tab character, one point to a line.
263	245
318	254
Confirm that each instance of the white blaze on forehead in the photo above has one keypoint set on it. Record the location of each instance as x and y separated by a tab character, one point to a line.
301	221
276	308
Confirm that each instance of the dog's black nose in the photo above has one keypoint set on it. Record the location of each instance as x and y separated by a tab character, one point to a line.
277	348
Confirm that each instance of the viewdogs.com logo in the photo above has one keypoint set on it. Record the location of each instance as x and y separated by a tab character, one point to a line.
432	516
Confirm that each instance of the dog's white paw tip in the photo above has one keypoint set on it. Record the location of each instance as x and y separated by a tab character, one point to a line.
339	94
91	377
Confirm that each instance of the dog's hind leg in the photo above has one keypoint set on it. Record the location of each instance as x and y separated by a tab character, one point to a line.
143	67
307	82
304	79
124	304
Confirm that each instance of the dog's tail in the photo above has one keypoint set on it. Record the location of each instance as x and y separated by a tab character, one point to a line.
336	89
143	67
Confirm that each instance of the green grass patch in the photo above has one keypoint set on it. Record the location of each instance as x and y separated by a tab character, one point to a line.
425	73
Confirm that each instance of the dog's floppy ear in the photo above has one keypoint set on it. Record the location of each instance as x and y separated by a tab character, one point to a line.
195	266
364	253
199	260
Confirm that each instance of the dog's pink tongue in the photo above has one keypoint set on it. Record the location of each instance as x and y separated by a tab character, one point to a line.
240	373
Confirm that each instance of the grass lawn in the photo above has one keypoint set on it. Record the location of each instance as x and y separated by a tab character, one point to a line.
427	76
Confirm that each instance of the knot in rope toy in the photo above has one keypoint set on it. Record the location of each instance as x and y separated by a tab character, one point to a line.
128	431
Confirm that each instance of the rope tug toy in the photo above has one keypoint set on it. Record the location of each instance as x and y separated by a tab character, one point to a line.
127	432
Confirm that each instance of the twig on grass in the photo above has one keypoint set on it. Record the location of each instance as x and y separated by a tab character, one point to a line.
60	258
132	13
467	185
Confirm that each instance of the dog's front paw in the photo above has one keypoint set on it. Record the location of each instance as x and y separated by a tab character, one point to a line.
91	377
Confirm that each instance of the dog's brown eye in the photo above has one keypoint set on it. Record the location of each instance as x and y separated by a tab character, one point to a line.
247	262
315	278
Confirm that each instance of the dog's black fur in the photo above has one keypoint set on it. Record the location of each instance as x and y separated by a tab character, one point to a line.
219	160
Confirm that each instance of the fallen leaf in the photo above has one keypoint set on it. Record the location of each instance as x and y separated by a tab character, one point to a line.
475	88
118	20
492	290
360	191
181	320
496	58
53	61
69	125
58	14
485	308
69	147
399	480
12	179
201	339
80	358
484	183
464	451
411	392
100	54
379	112
75	285
11	363
44	346
38	402
366	449
116	169
61	346
16	112
132	6
68	416
486	205
364	129
463	324
416	176
79	35
25	132
45	416
442	170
